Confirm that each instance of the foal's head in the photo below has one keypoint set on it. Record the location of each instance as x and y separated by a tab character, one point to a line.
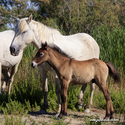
41	56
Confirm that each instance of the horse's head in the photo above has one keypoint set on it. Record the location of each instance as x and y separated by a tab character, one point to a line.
41	56
23	35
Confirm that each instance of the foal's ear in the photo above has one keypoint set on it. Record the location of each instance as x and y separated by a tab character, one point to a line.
30	18
44	46
45	43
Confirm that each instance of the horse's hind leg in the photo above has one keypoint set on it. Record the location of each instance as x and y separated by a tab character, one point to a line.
58	93
92	89
43	74
80	96
13	71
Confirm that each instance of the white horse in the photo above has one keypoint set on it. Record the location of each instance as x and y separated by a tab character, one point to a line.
29	31
6	59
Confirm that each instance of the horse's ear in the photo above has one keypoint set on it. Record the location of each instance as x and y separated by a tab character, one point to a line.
30	18
17	19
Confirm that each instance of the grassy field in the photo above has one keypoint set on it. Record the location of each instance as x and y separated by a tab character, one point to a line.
26	94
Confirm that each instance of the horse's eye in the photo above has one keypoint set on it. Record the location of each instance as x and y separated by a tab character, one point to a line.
41	54
23	32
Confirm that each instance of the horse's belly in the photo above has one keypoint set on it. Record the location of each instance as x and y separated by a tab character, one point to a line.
6	64
9	60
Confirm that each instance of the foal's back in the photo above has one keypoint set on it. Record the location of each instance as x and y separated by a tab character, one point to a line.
85	71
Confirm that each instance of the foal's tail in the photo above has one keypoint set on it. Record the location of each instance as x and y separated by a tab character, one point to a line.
113	71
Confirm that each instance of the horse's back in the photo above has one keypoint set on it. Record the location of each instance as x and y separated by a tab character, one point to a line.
7	32
80	46
6	37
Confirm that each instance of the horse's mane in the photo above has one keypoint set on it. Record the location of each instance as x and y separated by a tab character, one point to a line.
56	48
45	33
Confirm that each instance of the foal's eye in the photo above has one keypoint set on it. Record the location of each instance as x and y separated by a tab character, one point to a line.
41	54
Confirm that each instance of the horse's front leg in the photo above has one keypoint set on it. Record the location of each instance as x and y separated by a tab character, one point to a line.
0	76
43	74
13	71
58	92
6	77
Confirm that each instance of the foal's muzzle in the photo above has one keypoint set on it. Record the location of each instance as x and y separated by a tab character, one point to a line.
33	64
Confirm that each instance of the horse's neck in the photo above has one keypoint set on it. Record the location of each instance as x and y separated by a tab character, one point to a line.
56	59
44	34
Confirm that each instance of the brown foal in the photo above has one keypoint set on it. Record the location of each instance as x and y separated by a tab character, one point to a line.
77	72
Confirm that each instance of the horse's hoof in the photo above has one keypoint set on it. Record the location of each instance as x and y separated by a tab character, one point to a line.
79	106
60	116
42	111
87	110
56	115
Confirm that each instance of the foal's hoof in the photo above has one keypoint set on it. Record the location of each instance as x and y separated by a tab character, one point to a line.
106	117
111	116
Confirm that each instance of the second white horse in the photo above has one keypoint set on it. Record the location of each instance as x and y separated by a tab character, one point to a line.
6	59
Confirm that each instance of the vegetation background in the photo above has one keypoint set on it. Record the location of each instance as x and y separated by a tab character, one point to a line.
102	19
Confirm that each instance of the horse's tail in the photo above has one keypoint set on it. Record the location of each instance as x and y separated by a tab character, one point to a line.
113	71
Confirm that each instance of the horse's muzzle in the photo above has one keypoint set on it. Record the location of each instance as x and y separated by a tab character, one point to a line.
12	51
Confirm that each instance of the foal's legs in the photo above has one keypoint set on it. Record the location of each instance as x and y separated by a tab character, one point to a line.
64	89
109	106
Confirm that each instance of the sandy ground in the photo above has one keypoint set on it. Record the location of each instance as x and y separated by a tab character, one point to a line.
73	118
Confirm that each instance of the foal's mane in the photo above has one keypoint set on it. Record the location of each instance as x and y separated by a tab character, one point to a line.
56	48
